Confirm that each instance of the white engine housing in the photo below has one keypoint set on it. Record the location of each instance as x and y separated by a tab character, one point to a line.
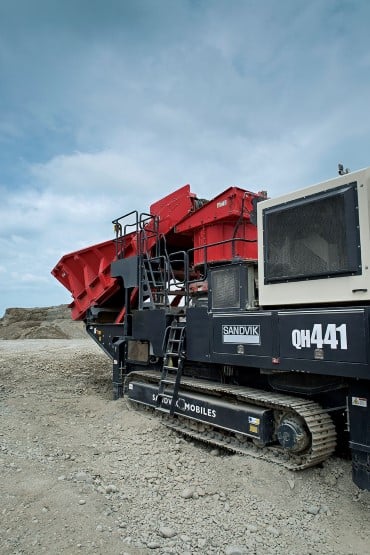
314	244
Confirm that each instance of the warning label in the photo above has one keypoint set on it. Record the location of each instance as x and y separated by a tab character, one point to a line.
359	401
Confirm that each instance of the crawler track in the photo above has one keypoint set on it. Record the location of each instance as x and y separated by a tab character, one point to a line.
318	422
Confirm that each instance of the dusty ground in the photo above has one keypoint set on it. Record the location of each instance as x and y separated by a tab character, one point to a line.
80	473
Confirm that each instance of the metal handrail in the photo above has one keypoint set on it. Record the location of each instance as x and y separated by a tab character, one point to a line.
119	227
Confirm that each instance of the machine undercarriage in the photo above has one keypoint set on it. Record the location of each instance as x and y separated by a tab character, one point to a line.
284	429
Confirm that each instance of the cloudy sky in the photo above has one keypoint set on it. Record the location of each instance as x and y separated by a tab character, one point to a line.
108	105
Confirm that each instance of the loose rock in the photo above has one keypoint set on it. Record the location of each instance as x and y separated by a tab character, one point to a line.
187	493
153	545
235	550
111	489
167	532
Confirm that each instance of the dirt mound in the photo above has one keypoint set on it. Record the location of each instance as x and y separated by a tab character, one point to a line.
52	322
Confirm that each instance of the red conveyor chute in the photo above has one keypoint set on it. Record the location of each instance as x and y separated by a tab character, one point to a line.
86	274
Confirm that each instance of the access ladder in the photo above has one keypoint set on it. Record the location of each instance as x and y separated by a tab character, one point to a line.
173	362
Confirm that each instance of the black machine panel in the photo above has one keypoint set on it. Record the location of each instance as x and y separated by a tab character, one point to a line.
359	418
127	269
328	341
150	325
327	335
197	334
248	333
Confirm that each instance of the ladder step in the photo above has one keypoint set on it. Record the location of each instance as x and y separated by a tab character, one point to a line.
167	381
174	368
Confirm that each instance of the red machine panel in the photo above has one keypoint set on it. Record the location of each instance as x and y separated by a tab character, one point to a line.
227	248
173	208
224	225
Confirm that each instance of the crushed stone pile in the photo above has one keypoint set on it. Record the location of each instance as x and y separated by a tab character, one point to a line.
82	474
53	322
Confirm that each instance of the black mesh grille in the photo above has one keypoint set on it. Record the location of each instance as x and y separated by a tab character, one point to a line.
226	288
313	237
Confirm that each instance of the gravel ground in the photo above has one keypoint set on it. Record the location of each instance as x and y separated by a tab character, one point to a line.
83	474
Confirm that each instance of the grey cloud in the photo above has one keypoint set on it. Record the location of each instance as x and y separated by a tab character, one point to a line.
108	106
